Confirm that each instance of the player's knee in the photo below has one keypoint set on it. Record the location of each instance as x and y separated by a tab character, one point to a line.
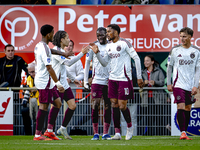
122	107
114	105
95	106
73	106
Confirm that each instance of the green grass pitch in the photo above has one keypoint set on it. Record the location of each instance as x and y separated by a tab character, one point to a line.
85	143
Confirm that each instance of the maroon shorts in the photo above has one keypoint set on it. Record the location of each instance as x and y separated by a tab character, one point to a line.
122	90
48	95
67	95
98	90
183	96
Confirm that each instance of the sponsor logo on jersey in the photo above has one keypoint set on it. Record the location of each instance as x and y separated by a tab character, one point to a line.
48	60
179	55
118	48
192	55
114	55
62	57
94	94
185	62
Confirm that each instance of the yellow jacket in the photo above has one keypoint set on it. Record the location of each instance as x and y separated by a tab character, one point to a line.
30	83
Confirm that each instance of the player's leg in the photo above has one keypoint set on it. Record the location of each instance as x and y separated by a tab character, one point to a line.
53	113
127	116
107	114
96	93
113	95
189	100
95	116
42	112
116	118
69	98
179	95
125	93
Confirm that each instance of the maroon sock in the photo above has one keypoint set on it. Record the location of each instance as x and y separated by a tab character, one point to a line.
187	119
116	119
52	117
68	115
181	119
127	117
107	115
95	115
95	128
40	120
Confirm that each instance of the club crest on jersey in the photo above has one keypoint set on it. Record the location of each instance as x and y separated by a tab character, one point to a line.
48	60
178	97
192	55
87	55
62	57
94	94
119	48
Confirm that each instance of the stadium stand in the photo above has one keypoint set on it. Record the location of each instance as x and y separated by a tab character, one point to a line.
93	2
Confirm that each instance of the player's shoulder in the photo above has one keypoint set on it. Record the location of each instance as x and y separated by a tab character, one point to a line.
126	42
195	47
175	48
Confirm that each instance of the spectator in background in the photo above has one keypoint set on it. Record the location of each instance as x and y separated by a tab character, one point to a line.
31	96
11	67
76	69
152	100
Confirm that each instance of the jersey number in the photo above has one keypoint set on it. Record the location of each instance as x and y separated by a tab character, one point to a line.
126	91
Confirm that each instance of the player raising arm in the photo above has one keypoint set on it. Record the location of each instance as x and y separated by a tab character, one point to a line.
120	88
60	40
99	85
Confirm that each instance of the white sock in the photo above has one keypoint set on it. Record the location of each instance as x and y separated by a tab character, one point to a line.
49	130
118	134
183	132
37	135
63	127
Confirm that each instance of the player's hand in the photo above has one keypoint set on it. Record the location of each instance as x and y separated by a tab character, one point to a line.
77	83
60	87
194	91
68	80
94	48
140	83
68	53
169	88
85	49
86	86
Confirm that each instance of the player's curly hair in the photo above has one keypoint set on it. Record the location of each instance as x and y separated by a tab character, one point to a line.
57	37
101	29
115	27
